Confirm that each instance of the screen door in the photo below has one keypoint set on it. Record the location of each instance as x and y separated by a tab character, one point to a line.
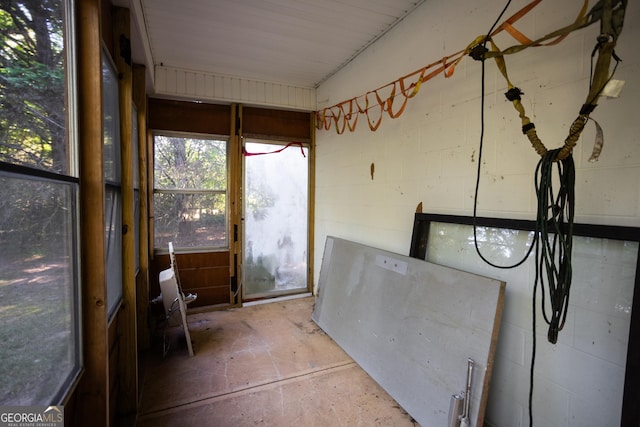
275	219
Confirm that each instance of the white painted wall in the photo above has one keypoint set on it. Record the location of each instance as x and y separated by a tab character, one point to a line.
430	153
208	87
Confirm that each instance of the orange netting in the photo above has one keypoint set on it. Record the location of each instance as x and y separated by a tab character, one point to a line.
374	104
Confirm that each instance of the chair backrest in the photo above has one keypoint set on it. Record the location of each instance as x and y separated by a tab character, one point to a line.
174	265
170	287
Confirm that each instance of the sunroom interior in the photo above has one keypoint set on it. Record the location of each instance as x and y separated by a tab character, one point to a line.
325	173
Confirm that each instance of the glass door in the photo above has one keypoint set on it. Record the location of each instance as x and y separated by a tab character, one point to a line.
275	219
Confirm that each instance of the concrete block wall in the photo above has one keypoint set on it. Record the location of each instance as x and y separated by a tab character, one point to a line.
430	155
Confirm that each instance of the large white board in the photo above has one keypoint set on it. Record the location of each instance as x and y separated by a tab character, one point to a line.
411	325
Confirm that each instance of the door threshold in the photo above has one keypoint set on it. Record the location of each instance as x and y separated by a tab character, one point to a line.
276	299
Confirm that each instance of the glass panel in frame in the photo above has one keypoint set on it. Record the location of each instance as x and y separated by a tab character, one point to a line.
276	212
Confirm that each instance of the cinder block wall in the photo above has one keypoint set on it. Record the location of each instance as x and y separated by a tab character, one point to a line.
430	155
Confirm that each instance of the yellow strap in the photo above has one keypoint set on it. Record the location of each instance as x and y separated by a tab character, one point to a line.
336	119
580	22
478	40
415	86
601	73
601	77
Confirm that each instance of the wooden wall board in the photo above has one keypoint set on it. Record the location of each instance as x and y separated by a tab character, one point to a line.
411	325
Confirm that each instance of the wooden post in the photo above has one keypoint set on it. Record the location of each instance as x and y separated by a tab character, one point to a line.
128	349
150	186
311	203
142	279
92	396
236	225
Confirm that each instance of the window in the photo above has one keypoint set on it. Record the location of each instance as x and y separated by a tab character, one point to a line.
136	190
112	177
39	260
190	195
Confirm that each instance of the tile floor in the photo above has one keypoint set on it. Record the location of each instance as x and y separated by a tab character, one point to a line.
266	364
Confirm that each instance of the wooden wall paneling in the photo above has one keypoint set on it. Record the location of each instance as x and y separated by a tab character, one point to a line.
215	296
210	283
128	346
206	274
279	124
158	263
142	278
193	117
92	395
190	261
203	277
174	82
114	372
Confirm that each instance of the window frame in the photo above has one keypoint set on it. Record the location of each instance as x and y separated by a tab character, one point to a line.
631	392
225	192
70	179
113	187
285	144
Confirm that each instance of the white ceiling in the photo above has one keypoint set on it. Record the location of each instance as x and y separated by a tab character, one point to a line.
297	42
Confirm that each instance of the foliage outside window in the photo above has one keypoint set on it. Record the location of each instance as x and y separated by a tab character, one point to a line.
39	316
190	196
32	114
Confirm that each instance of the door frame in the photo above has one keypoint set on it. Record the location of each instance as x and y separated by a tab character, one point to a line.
266	295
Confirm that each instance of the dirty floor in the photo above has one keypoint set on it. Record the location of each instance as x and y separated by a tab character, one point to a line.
266	364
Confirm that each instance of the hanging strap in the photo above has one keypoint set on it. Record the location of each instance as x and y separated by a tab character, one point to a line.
291	144
601	76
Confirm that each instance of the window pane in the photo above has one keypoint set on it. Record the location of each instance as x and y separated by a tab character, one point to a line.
111	122
135	149
190	202
190	220
39	318
113	208
276	212
600	308
32	85
190	163
40	342
113	236
136	226
136	191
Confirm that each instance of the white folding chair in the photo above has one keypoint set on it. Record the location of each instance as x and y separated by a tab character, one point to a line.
173	301
188	298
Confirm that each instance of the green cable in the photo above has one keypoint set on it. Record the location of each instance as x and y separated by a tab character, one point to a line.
554	225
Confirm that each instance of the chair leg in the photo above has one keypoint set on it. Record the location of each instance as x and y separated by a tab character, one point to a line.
165	344
185	325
